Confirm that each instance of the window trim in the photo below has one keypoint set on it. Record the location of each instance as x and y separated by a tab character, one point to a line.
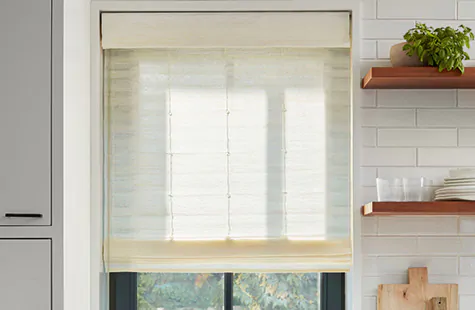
96	297
123	291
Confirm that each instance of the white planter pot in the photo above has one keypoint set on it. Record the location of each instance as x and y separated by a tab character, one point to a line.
399	58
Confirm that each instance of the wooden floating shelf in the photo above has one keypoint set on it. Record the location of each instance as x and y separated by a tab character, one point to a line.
417	78
387	208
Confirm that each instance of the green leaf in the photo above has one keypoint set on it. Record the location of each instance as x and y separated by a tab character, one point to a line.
451	64
441	47
420	49
423	56
430	60
442	53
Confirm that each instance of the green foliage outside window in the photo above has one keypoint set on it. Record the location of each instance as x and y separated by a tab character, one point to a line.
254	291
179	291
276	291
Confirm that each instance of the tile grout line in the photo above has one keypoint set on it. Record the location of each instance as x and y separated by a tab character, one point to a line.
457	98
417	157
458	254
376	7
415	116
458	137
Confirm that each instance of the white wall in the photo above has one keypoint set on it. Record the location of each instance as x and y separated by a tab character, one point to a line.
76	156
406	133
415	133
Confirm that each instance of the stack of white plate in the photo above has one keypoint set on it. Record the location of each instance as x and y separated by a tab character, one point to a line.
459	186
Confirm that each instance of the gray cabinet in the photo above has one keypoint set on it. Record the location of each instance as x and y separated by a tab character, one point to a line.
25	112
25	274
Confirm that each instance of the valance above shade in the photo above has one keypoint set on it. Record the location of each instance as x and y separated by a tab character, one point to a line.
208	30
227	159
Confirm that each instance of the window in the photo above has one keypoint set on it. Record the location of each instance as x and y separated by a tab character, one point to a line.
226	157
227	149
204	291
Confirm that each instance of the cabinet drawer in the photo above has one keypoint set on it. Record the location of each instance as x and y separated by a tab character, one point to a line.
25	274
25	110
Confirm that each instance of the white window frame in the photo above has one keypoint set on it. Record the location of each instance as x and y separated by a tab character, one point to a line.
95	297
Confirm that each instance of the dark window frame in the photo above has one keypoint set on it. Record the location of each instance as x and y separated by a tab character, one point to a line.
123	291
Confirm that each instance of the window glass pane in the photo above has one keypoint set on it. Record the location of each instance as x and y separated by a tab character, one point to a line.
253	291
184	291
276	291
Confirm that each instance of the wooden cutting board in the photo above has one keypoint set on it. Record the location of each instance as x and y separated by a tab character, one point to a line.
418	294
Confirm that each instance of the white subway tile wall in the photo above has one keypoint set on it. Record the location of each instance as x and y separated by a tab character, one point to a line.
417	137
466	137
447	118
466	98
466	302
386	29
418	9
466	10
417	98
384	47
467	266
388	117
368	49
369	136
418	226
467	226
391	156
415	133
368	176
369	303
369	9
451	157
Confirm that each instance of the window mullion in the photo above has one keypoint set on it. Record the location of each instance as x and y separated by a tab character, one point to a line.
332	291
228	291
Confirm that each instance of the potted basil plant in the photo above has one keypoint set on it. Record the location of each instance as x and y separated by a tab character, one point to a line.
436	47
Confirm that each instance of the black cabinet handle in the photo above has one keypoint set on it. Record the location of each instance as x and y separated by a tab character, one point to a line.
23	215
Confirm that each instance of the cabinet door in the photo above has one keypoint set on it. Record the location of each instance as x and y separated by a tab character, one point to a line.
25	274
25	111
